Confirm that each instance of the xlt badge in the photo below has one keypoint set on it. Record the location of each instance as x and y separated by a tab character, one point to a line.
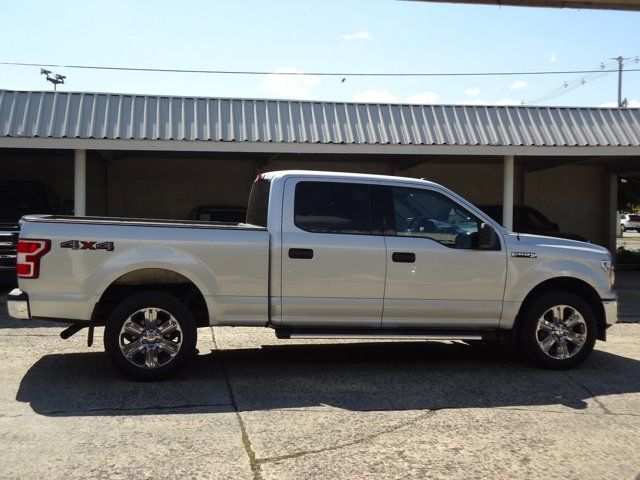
524	254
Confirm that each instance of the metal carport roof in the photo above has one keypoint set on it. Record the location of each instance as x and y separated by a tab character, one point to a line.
223	123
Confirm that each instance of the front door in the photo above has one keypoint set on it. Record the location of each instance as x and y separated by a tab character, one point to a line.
436	275
333	262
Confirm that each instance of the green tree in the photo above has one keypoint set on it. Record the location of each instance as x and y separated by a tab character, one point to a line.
629	194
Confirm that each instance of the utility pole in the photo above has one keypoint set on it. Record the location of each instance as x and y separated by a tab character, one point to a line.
620	61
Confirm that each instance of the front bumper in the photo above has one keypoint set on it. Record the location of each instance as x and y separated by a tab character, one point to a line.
18	304
610	310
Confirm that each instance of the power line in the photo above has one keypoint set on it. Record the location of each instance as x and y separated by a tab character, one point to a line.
320	74
605	70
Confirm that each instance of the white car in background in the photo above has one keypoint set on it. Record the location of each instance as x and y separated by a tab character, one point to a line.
630	221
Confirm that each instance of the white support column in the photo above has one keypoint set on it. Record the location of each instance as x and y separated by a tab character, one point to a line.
80	183
613	221
507	191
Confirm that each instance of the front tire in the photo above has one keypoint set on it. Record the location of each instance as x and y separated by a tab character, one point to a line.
150	336
557	331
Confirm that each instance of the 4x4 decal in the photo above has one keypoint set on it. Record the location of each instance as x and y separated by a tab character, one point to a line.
82	245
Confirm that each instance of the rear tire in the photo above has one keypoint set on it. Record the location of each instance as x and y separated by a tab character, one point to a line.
557	331
150	336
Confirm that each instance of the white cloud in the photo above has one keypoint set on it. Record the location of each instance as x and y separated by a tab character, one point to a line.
495	88
518	84
424	97
289	86
553	58
482	101
507	101
361	35
472	92
475	101
376	96
633	103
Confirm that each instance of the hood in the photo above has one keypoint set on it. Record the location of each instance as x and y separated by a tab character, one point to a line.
560	234
519	240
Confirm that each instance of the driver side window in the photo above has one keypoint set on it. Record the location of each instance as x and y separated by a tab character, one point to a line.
424	213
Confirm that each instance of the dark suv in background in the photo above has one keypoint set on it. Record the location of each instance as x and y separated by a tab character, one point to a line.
529	220
18	198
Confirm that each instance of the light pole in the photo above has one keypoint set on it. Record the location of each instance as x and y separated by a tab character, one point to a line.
54	78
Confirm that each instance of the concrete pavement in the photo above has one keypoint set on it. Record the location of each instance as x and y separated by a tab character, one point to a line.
256	407
629	240
628	290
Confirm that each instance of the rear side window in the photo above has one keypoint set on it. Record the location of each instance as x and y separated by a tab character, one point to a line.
326	207
258	208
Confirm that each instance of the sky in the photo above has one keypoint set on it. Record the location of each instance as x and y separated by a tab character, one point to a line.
368	36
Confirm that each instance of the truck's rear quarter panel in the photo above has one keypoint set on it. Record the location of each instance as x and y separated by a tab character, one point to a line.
229	265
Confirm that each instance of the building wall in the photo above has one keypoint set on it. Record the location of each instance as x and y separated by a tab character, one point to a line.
330	164
481	184
58	172
573	197
170	188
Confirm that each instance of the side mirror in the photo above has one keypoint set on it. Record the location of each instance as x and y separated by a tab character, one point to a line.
67	207
487	237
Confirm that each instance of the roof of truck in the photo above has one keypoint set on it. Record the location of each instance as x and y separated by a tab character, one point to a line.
342	175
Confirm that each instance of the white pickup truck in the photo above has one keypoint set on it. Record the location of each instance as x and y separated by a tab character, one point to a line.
321	255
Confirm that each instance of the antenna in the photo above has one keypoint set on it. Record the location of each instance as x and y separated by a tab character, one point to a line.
54	78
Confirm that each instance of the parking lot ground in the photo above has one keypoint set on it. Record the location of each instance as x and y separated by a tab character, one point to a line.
629	240
628	290
256	407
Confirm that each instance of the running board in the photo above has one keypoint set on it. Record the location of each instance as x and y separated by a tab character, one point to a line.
384	334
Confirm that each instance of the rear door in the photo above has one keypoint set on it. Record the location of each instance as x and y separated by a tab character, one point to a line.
436	275
333	255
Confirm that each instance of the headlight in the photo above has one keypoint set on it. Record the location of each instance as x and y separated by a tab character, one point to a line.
610	269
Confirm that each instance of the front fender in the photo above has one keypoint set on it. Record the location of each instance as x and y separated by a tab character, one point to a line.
524	274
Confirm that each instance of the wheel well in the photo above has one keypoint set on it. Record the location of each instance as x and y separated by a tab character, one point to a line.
157	279
572	285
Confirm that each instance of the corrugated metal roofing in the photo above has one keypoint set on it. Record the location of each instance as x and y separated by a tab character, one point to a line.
41	114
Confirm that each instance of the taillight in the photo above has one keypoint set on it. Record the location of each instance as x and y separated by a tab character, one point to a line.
30	251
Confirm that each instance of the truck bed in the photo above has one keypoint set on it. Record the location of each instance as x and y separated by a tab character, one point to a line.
139	222
227	262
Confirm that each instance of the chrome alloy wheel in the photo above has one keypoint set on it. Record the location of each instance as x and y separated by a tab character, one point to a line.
150	338
561	332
